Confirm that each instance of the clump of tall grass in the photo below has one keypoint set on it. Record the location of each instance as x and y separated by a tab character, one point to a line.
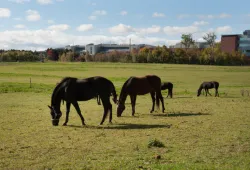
155	143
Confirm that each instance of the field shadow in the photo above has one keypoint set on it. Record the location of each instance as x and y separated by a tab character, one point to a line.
233	97
123	126
182	97
180	114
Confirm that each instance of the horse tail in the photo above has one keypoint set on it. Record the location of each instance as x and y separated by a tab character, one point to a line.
113	93
171	90
157	101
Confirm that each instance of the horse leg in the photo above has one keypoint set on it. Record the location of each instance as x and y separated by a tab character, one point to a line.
159	95
133	99
67	113
208	92
110	113
216	92
98	100
153	100
75	104
106	109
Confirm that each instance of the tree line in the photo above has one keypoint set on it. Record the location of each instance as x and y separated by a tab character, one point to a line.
190	54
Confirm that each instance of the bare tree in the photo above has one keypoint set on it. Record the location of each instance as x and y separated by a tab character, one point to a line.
210	39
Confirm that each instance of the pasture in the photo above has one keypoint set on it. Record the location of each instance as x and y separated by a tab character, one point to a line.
197	132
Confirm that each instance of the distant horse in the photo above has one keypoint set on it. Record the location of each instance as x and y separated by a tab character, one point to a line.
140	86
169	86
72	90
209	85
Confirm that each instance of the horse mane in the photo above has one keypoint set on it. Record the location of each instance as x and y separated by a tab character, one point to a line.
123	88
58	86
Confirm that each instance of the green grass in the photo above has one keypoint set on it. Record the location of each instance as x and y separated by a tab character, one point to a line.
197	133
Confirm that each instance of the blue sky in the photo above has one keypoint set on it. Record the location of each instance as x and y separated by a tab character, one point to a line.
41	24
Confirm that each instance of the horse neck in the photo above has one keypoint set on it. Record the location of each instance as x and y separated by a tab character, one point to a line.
201	87
56	99
123	97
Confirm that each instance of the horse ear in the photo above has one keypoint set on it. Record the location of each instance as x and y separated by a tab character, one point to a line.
49	107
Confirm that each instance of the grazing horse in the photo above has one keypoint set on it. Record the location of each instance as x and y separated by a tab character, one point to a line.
169	86
72	90
140	86
208	85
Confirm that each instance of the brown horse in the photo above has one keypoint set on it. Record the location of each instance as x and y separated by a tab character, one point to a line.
140	86
72	90
207	86
169	86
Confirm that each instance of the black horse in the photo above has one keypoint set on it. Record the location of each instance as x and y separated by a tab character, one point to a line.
208	85
140	86
72	90
169	86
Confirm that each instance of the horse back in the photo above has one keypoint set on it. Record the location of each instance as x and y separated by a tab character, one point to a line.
143	85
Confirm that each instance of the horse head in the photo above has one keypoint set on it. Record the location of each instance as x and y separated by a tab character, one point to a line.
55	115
120	109
199	92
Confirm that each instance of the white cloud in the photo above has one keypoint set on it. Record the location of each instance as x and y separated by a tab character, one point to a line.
200	23
206	16
19	1
44	2
183	16
224	29
60	27
123	13
92	17
100	12
97	13
51	21
220	16
32	15
43	39
121	29
151	30
158	15
85	27
5	13
17	19
224	15
169	30
20	26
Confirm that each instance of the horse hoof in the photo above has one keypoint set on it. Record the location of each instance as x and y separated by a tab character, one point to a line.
65	124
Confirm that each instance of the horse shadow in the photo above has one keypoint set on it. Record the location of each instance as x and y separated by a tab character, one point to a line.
181	114
124	126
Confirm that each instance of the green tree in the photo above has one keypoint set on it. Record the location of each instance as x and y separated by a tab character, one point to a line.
187	40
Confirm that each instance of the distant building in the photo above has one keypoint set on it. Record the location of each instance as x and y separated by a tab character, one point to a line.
199	45
236	42
93	49
79	49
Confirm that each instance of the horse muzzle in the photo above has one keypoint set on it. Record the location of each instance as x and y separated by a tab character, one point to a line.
55	122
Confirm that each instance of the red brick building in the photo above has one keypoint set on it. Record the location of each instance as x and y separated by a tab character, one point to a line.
229	43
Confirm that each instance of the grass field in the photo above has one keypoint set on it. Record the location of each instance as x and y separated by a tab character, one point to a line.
197	132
